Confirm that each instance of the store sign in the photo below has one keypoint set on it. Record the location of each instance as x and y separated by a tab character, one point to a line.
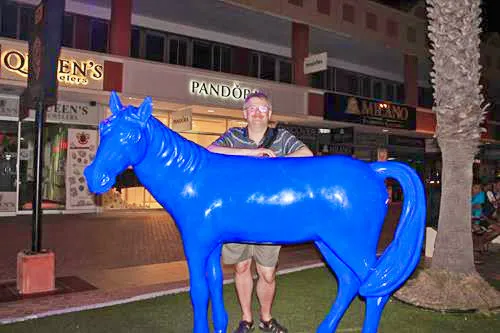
82	145
219	90
181	120
71	71
364	111
9	107
316	63
397	140
71	113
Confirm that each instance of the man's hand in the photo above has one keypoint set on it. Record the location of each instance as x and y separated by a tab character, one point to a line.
263	152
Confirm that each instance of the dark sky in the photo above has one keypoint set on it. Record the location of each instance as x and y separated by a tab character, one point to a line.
490	7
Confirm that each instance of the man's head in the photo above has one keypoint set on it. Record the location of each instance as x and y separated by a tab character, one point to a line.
257	109
476	188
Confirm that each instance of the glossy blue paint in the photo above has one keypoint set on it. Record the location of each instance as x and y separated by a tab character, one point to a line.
337	202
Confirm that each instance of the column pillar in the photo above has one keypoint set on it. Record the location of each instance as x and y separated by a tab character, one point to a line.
121	27
300	50
411	79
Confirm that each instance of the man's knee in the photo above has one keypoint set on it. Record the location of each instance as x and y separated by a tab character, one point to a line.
243	267
267	274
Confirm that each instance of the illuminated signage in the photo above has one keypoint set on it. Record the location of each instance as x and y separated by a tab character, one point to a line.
69	71
361	110
219	90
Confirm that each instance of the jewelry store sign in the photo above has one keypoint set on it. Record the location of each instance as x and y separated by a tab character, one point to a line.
233	91
72	71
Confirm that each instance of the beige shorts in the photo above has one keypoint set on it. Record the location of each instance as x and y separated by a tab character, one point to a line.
265	255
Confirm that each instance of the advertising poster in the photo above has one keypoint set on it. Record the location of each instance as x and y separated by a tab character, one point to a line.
82	146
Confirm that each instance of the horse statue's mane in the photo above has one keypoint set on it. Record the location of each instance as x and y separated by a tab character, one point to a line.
172	148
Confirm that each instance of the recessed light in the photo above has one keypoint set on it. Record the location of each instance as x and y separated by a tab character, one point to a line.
385	130
210	111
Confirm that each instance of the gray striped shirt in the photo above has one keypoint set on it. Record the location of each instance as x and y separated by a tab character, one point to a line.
237	137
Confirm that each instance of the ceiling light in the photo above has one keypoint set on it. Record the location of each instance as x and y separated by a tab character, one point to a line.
210	111
385	130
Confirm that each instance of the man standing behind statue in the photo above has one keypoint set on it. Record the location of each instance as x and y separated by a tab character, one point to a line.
257	139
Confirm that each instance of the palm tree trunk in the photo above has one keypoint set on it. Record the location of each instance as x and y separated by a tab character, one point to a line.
453	250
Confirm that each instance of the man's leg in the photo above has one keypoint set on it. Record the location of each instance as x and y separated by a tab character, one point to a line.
240	255
266	288
244	287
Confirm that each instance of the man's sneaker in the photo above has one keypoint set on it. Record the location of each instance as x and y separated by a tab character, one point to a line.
244	327
272	326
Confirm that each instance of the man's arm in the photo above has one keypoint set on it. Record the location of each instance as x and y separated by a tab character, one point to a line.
302	152
240	151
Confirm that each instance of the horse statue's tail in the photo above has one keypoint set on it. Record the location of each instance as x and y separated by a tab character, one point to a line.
402	256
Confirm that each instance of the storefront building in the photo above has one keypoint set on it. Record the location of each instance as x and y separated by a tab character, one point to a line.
198	79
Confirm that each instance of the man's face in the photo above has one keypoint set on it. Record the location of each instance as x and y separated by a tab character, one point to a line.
476	189
497	186
257	111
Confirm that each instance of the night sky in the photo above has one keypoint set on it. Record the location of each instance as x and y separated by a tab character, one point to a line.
490	7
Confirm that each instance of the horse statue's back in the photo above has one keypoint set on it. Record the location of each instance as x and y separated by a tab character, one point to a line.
338	203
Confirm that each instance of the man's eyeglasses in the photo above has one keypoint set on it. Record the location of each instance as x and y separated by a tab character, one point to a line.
260	108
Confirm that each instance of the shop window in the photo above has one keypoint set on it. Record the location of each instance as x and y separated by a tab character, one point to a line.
425	98
411	35
324	7
285	71
347	82
202	54
400	93
8	162
135	43
330	78
366	87
26	23
389	91
98	36
318	80
208	125
268	68
254	65
68	31
371	21
392	29
222	59
9	20
236	123
177	53
348	13
155	47
377	89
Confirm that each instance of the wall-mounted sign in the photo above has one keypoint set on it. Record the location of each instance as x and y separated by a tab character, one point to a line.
316	63
181	120
219	90
364	111
82	145
72	71
9	107
397	140
71	113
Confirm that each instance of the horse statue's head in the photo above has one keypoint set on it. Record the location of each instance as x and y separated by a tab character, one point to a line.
123	143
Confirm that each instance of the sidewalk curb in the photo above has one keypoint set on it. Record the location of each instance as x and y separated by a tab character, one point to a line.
146	296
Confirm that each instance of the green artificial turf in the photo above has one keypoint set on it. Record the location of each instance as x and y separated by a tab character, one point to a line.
301	303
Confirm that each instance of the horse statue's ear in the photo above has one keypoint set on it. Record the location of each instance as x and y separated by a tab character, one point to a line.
145	110
114	103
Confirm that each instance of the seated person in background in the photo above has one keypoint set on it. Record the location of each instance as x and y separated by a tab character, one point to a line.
477	201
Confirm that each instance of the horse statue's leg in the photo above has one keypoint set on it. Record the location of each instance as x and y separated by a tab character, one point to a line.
373	312
197	257
348	285
215	283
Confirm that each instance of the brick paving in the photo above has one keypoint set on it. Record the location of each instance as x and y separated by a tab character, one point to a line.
92	241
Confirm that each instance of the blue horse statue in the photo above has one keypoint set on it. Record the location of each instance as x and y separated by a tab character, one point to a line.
336	202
